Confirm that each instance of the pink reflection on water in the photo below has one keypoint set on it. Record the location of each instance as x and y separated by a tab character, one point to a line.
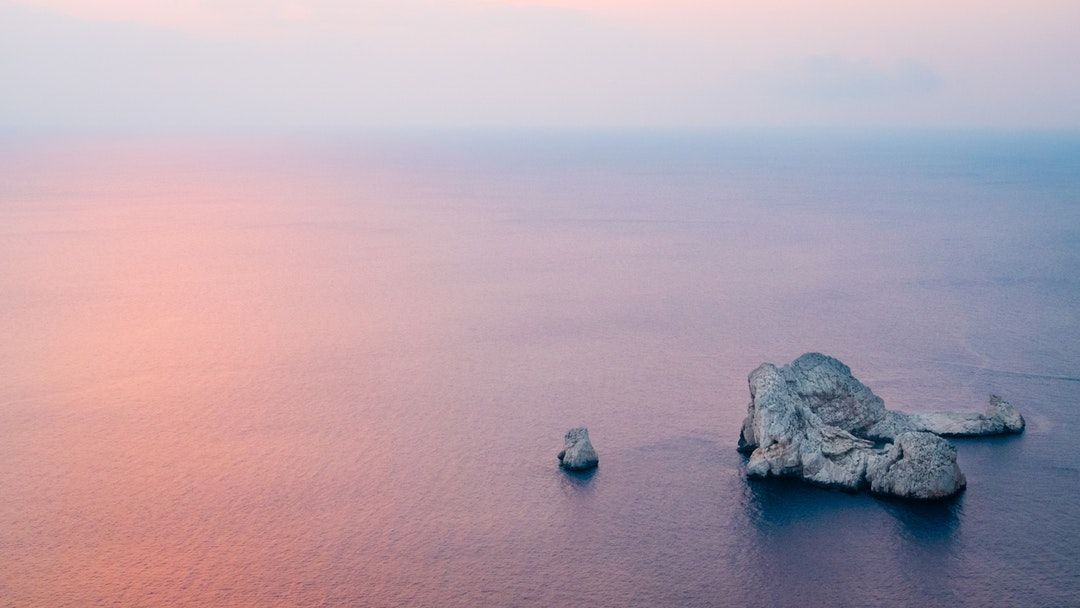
197	360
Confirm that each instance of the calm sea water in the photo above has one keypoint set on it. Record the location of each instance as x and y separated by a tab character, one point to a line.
308	371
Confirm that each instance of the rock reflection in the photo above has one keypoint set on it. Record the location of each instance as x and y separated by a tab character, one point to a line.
578	480
776	503
932	522
823	538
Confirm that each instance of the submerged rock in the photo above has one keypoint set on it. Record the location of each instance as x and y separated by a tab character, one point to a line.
812	419
578	453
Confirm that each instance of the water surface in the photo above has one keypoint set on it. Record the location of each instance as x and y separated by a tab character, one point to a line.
316	370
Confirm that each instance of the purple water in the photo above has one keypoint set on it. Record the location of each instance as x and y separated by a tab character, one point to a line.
336	370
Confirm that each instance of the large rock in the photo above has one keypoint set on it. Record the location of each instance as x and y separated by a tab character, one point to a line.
578	453
812	419
786	438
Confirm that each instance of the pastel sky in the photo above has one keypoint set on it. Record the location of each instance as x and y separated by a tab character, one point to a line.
540	63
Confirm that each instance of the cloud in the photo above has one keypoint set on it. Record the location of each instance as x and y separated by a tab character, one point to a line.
835	78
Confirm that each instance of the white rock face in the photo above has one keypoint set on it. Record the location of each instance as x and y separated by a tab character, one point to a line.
786	438
812	419
1000	417
917	465
578	453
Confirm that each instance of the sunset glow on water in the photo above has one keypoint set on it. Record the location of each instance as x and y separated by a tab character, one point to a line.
336	370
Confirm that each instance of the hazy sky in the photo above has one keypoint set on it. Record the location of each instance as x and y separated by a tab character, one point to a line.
542	63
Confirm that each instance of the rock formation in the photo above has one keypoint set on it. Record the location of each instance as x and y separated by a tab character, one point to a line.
578	453
812	419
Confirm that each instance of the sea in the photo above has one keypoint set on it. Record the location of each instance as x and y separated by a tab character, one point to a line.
335	368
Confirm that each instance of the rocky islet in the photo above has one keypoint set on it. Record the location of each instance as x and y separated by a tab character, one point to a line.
813	420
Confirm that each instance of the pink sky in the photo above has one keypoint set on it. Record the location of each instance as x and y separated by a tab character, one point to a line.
542	63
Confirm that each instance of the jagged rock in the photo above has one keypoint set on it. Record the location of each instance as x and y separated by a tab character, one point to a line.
578	453
837	397
812	419
917	465
787	438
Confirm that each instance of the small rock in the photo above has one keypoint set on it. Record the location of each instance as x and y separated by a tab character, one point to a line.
578	453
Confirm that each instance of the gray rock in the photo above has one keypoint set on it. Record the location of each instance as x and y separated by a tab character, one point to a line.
917	465
786	438
813	420
578	453
1001	417
837	397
